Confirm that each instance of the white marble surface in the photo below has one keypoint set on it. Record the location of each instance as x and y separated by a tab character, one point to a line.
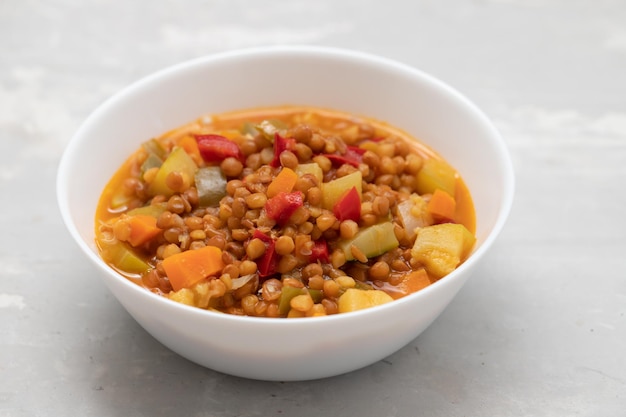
539	331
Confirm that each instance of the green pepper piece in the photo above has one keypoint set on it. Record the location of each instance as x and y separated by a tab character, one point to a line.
316	295
287	293
211	186
153	146
152	161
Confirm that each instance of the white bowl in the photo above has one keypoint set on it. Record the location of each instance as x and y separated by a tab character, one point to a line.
286	349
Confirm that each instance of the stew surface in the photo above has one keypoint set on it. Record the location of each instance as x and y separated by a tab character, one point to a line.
285	212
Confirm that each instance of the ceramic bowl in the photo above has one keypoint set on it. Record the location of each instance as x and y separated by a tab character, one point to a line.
286	349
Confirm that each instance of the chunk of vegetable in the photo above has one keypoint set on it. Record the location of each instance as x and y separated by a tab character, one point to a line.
120	198
319	252
190	145
211	185
411	282
143	228
435	174
269	128
348	207
281	144
288	293
310	168
283	205
442	206
283	182
186	268
152	161
216	148
177	161
154	210
371	241
121	256
353	299
153	146
442	247
269	261
352	156
333	190
413	213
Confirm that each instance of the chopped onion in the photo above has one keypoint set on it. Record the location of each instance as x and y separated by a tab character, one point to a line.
241	281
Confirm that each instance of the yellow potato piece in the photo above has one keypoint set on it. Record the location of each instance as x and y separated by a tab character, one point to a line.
354	299
442	247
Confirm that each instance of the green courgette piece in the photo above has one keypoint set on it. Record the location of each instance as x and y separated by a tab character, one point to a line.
371	241
211	186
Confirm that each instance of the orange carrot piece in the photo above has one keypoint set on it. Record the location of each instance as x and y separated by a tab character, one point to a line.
186	268
412	281
143	228
415	281
283	182
190	145
442	205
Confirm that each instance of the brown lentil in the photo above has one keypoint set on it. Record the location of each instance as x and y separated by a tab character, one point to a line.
231	167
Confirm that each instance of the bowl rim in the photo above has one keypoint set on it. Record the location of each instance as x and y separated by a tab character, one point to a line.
310	52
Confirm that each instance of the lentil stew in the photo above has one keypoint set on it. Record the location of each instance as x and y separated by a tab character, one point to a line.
285	212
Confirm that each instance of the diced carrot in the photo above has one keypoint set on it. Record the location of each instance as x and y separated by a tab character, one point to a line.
143	228
415	281
442	206
189	144
186	268
283	182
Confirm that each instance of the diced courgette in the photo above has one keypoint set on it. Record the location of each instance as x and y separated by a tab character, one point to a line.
371	241
122	257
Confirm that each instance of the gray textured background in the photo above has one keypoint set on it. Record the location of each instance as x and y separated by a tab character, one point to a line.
539	331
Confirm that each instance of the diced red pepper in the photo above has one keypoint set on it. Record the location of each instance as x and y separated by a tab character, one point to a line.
269	261
319	252
260	235
353	156
280	145
283	205
348	207
216	148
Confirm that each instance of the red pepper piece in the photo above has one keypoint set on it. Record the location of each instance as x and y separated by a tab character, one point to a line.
319	252
260	235
269	261
216	148
280	145
283	205
353	156
348	207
